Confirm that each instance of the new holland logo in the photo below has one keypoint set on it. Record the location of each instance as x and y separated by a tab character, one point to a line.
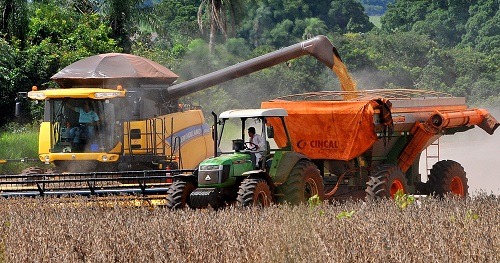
208	178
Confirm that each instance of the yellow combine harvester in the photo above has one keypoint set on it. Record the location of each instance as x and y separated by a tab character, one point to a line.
125	137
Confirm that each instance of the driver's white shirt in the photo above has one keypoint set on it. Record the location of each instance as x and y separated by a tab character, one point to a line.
259	141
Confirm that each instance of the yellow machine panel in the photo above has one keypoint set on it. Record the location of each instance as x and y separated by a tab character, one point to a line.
183	137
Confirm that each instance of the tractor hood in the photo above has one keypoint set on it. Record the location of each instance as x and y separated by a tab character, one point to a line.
220	171
225	159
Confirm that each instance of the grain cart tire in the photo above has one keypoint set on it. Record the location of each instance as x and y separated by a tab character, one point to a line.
303	182
448	176
178	194
385	181
254	192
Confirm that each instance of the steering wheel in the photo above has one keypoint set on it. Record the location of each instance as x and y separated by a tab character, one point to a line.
251	146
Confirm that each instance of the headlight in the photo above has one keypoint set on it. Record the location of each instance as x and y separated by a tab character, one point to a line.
210	167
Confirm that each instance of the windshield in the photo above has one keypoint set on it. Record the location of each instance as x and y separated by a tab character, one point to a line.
234	130
82	125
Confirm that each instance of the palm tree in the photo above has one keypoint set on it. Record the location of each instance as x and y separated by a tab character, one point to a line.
216	10
14	19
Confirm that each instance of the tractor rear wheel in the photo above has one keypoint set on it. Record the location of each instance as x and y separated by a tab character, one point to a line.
303	182
448	176
385	181
178	194
254	192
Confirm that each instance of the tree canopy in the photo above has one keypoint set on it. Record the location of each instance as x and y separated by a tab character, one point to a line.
449	46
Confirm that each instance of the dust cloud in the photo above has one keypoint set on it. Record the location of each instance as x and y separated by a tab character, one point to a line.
479	154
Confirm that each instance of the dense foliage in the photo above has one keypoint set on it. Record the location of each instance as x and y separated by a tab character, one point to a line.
450	46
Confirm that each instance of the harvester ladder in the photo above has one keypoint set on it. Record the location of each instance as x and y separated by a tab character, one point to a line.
155	132
153	138
431	155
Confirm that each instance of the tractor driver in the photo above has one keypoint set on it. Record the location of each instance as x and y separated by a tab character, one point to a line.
88	120
256	143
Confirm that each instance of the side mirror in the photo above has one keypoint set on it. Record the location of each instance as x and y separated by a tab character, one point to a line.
270	132
22	107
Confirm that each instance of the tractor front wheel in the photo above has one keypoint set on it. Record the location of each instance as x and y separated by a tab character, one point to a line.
178	194
303	182
448	176
254	192
385	181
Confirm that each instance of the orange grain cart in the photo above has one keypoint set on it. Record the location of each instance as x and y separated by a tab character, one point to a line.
371	143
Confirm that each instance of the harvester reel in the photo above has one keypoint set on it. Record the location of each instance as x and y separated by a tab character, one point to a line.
254	192
30	171
385	181
178	194
303	182
448	176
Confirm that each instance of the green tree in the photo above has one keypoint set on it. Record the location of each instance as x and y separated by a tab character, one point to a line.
314	27
401	15
348	16
215	11
14	20
482	30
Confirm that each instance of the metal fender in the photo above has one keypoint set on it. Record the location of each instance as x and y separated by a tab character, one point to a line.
282	167
193	178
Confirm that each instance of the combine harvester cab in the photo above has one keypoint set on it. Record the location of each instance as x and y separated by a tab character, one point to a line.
368	143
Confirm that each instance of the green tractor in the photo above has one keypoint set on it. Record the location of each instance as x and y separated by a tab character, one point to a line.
245	174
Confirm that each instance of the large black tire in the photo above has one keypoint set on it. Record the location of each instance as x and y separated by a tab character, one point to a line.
448	176
385	181
254	192
178	194
303	182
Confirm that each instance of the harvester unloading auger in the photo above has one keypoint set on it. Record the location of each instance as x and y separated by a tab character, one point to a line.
141	130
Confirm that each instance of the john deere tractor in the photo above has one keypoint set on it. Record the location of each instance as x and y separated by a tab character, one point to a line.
238	176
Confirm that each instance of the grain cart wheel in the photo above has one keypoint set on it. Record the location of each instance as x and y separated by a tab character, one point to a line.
254	192
303	182
448	176
385	181
178	194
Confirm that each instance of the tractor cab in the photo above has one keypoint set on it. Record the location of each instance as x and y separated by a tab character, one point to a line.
247	132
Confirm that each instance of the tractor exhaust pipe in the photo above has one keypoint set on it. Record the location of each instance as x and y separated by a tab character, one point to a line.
319	47
215	134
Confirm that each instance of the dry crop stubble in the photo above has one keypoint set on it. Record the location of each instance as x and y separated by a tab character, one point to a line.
449	230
